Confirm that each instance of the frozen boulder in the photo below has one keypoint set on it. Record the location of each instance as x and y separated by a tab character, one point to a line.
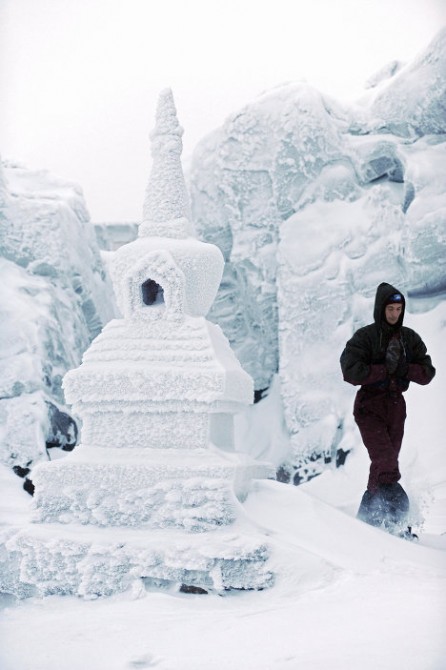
379	159
424	237
55	297
413	102
247	178
62	430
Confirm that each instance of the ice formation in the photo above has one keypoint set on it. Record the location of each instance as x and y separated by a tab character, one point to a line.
54	300
151	492
313	204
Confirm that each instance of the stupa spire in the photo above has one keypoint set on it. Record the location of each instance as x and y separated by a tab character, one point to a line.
166	205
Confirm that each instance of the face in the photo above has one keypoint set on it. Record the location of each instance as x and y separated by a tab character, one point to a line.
393	312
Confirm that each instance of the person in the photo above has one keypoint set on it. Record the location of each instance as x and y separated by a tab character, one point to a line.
383	358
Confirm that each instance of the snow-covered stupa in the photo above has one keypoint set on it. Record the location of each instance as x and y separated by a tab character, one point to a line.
153	489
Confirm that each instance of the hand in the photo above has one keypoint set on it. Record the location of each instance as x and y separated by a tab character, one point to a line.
403	366
393	355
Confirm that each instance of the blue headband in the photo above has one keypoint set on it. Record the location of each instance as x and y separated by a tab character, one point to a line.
396	297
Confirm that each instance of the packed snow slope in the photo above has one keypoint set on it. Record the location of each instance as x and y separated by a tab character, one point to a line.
346	595
313	205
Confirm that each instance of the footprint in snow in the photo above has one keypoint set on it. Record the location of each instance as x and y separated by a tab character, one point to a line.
144	661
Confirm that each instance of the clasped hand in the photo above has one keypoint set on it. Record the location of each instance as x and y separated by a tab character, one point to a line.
396	363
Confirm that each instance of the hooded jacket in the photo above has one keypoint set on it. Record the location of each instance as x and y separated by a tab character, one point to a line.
363	359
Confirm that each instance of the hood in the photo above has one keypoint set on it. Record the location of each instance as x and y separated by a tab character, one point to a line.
383	293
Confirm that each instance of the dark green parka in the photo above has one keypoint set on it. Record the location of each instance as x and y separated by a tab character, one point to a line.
363	359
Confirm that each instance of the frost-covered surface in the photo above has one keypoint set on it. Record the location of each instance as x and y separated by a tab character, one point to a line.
414	101
156	362
54	298
313	204
189	272
76	563
140	380
194	490
110	236
166	206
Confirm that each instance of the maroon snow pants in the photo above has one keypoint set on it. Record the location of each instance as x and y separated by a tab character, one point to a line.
380	417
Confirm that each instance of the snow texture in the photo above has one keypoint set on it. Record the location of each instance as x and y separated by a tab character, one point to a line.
81	565
313	204
192	490
189	272
110	236
166	206
413	102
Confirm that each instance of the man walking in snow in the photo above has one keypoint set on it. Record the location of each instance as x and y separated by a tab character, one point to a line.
383	358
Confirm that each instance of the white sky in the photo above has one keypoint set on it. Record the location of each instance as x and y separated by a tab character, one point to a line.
80	78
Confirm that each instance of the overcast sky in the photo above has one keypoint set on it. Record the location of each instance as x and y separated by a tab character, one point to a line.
80	78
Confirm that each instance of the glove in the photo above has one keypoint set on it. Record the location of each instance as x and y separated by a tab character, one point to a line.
403	366
393	355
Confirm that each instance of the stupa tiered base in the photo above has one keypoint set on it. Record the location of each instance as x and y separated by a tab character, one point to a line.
87	562
105	519
192	490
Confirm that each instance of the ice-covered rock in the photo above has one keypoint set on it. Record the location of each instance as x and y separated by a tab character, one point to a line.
413	102
112	235
62	431
389	70
54	299
424	238
245	180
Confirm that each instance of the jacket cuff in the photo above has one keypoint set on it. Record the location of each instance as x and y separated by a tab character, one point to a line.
417	374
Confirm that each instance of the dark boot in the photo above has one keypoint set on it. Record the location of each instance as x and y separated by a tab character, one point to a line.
388	507
369	509
395	503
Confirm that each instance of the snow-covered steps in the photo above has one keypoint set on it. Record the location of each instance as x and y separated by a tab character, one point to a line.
195	490
80	561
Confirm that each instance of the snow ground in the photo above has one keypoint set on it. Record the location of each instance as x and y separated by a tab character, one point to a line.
347	595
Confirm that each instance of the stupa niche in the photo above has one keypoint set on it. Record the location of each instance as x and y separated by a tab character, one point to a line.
155	473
